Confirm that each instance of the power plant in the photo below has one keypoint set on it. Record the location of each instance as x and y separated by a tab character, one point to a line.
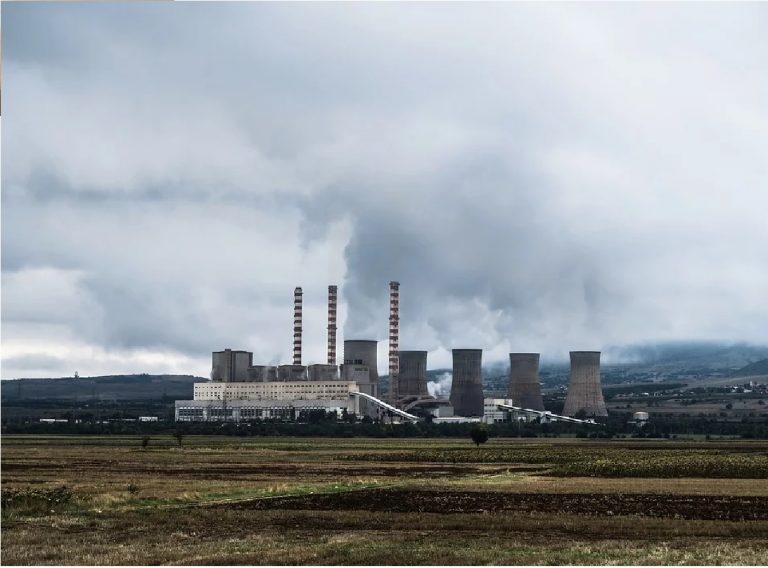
524	386
240	390
584	390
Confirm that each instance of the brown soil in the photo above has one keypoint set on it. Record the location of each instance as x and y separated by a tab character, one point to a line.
724	508
221	471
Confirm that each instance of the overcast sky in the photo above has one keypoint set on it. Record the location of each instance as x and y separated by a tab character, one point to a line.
539	177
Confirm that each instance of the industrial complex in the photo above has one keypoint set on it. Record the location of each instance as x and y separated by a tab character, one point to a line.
241	391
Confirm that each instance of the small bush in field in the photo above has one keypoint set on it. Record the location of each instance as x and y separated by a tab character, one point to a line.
35	500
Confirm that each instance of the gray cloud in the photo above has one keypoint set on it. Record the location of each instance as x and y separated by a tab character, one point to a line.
538	177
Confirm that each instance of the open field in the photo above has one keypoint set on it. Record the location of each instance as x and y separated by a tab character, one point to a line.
220	500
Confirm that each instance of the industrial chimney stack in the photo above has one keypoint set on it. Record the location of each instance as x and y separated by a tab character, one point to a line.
332	302
297	326
467	387
584	390
524	386
394	338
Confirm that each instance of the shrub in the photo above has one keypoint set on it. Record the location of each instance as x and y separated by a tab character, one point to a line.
38	501
479	434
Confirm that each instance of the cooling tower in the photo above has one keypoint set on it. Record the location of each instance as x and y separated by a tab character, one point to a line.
584	390
323	373
413	373
231	366
467	387
291	373
362	352
262	373
524	386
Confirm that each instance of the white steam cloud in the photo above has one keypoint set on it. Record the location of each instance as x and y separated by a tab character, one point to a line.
442	387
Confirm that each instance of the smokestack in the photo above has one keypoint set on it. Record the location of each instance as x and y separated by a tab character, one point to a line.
467	387
394	338
297	328
524	386
413	373
584	390
332	302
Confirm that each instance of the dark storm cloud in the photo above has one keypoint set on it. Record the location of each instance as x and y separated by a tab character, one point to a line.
538	177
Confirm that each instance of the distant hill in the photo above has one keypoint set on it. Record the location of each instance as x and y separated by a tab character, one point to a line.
690	355
113	387
753	369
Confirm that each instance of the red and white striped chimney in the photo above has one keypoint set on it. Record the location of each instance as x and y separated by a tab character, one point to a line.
394	338
297	326
332	302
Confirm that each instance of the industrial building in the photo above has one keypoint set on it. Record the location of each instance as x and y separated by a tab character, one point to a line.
240	390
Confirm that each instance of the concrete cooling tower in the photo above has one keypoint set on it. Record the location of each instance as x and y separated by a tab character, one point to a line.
524	386
360	356
467	387
413	373
362	352
584	390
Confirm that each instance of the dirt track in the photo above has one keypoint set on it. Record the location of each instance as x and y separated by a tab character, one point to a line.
404	501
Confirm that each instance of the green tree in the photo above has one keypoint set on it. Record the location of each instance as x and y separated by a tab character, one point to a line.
479	434
144	442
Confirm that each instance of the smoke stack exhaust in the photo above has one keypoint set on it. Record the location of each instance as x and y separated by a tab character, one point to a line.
394	339
524	386
332	303
584	390
297	327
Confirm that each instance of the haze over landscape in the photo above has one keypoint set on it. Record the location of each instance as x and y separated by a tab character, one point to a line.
539	177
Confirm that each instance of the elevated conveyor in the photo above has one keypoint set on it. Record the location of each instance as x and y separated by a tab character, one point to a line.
384	405
546	414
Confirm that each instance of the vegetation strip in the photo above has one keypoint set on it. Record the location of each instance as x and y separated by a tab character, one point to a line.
426	501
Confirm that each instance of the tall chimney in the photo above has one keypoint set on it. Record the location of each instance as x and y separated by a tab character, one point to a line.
297	326
332	302
394	338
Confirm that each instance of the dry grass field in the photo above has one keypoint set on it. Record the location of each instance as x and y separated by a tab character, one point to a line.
220	500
